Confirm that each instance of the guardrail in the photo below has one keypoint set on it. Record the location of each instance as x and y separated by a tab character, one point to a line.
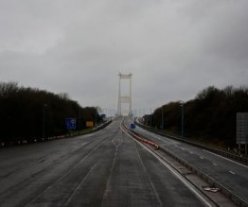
223	153
69	135
211	181
138	137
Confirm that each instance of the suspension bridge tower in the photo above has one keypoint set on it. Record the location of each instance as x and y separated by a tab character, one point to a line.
125	98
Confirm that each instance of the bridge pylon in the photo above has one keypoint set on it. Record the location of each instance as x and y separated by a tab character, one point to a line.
125	99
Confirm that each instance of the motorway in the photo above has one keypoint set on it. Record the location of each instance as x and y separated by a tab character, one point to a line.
230	174
105	168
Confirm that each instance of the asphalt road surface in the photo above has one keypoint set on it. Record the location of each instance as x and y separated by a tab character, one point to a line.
230	174
106	168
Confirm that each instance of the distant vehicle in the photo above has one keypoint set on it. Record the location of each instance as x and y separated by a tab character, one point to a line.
132	126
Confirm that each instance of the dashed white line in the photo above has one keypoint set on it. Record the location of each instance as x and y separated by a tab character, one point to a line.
79	185
233	173
204	199
227	159
151	183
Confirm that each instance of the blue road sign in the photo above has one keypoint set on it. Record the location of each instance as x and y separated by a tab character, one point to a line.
70	123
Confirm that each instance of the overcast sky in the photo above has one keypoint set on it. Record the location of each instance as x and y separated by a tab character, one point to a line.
173	48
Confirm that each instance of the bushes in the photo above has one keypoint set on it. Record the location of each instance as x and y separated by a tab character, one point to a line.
211	115
27	113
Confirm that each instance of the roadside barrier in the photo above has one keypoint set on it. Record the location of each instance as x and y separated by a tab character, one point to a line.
36	140
139	138
223	153
211	181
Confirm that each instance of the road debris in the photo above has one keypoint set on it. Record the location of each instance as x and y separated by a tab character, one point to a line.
211	189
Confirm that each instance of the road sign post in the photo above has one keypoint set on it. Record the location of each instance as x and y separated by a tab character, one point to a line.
242	130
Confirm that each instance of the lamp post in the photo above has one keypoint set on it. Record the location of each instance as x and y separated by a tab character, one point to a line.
182	118
44	120
162	118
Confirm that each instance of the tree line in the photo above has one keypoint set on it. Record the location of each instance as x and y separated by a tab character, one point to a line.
210	116
28	113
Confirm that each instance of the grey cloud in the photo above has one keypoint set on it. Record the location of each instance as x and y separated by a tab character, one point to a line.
173	48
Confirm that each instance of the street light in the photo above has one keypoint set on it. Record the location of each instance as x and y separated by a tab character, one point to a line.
162	118
182	118
44	120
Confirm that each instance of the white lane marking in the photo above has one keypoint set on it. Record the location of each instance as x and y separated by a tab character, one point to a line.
68	172
227	159
79	185
203	198
84	144
87	135
156	136
150	181
233	173
230	160
107	189
216	155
